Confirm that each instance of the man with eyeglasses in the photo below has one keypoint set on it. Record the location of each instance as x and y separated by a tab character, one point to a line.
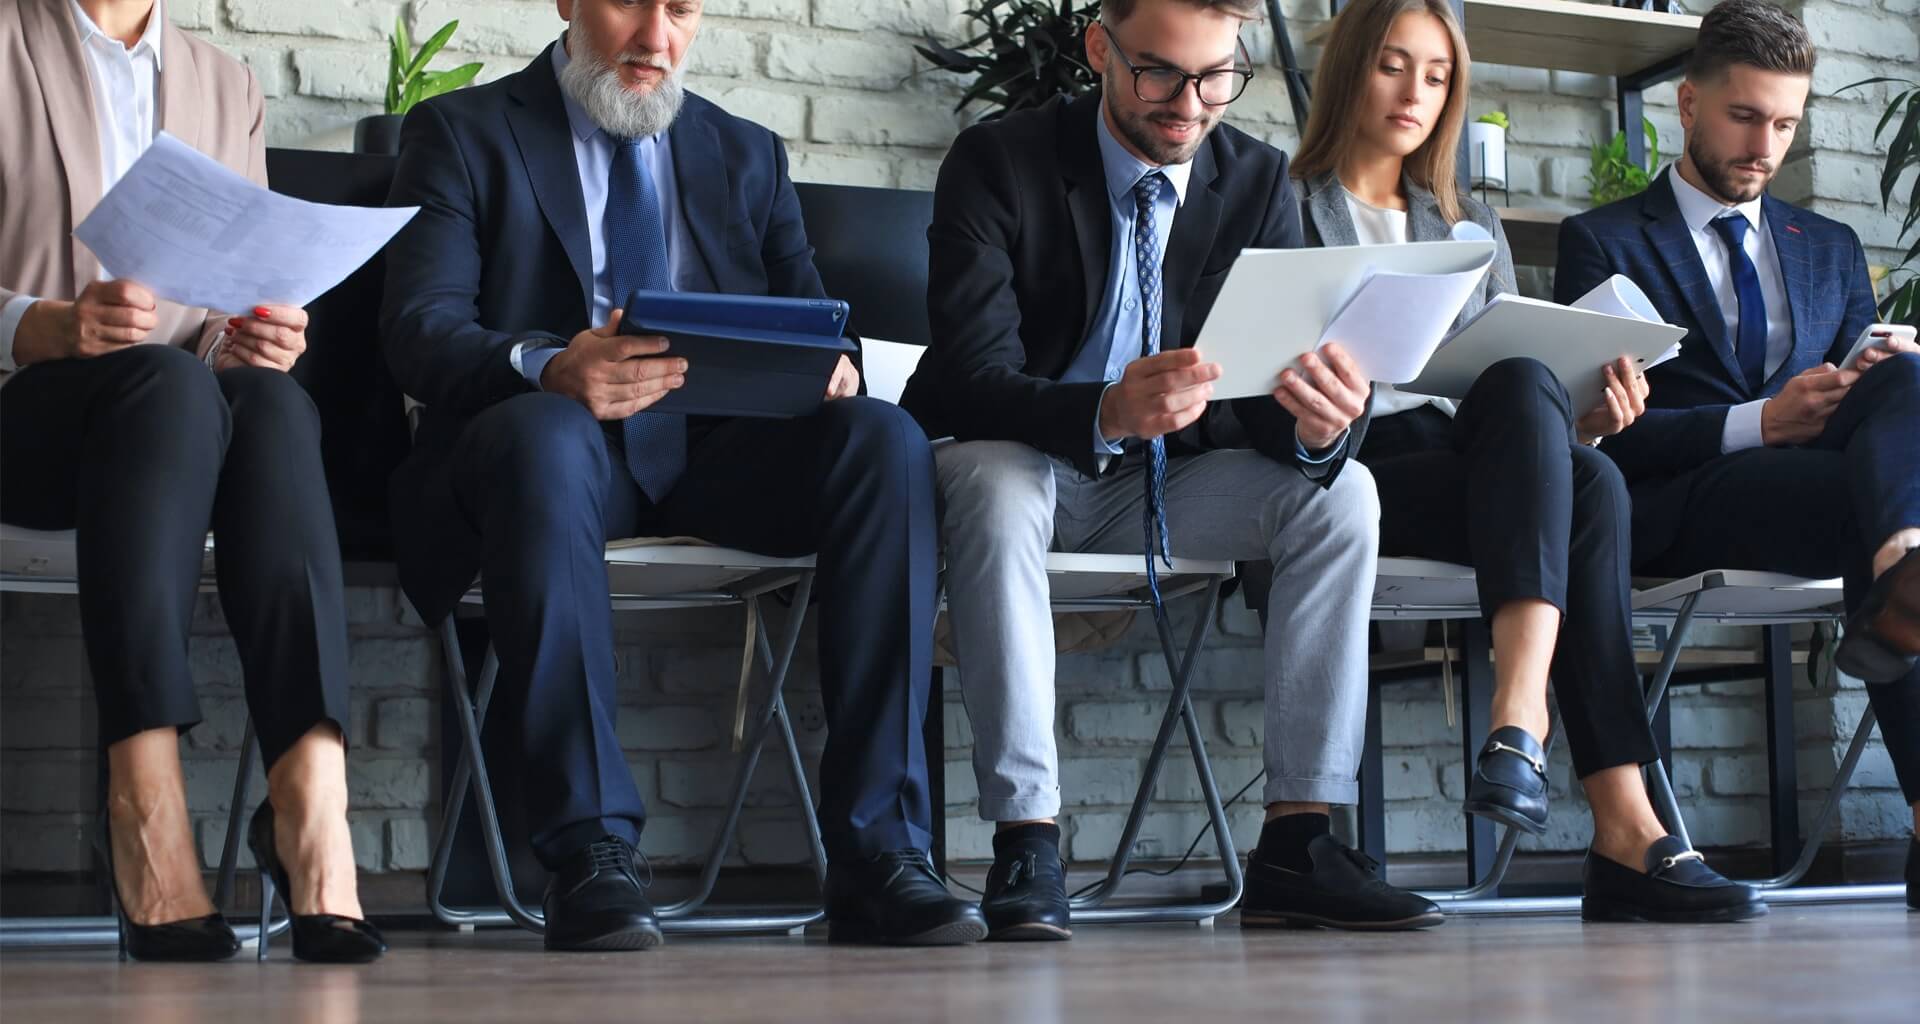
1075	251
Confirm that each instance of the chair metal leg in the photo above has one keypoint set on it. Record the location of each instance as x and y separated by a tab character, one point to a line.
1783	781
1485	891
1372	816
236	819
1090	908
1476	721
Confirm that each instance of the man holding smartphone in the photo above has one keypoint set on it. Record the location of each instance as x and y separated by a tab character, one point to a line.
1769	443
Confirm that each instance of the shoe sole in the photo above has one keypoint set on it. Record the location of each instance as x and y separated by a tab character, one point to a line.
959	933
1273	919
1505	816
1030	932
1608	912
618	942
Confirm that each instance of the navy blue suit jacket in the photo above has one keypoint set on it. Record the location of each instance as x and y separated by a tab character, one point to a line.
499	254
1644	237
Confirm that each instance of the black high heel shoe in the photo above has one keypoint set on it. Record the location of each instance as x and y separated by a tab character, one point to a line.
194	940
318	938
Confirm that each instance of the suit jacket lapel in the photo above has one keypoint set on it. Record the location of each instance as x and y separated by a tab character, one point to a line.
1087	203
68	89
1790	245
701	175
179	88
1667	231
1327	208
540	129
1194	227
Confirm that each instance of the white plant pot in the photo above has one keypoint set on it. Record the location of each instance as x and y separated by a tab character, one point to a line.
1487	148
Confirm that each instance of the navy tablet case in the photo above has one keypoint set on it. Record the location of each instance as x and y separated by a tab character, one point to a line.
747	355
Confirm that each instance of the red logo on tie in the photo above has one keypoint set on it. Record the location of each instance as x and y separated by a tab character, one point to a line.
1793	229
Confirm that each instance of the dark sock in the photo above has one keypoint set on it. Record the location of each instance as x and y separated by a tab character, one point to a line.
1283	841
1006	840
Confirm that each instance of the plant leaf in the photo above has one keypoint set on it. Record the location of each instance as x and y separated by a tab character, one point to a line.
1903	143
401	41
1892	109
431	47
440	82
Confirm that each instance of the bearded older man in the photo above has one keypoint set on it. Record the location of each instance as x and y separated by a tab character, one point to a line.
546	198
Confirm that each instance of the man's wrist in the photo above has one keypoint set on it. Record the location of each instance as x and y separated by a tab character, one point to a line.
39	325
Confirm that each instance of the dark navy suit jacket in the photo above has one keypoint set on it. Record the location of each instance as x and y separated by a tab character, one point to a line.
1644	237
499	255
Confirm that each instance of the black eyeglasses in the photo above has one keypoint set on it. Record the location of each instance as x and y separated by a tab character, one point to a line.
1163	84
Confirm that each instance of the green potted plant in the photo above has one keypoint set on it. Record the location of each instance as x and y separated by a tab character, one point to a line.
1902	304
408	82
1612	175
1487	149
1027	52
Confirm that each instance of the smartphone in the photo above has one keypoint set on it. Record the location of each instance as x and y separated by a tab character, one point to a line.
1876	334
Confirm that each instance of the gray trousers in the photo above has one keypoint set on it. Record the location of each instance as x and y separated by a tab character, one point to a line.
1004	505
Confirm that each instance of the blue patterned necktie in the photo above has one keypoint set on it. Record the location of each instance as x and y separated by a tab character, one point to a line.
1750	342
1146	259
636	241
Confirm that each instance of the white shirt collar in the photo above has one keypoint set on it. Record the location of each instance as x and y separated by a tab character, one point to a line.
1124	170
150	39
1699	209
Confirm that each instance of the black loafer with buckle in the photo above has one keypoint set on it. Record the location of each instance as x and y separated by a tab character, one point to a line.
1510	781
1678	888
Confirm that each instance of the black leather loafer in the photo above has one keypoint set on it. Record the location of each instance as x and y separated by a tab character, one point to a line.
1678	888
1510	781
896	899
597	902
1026	899
1342	891
1884	632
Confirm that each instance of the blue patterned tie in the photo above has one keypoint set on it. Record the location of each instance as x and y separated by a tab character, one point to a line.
636	241
1750	343
1146	258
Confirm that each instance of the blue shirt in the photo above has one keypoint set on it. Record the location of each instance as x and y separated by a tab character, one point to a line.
593	156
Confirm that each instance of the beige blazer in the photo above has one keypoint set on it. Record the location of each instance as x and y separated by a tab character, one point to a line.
50	150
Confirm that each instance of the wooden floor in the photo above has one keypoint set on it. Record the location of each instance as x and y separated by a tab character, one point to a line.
1805	964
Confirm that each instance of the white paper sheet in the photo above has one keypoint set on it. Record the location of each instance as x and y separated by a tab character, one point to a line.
196	233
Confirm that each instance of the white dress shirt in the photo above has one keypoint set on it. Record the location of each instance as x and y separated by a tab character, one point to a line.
125	84
1374	225
593	156
1699	210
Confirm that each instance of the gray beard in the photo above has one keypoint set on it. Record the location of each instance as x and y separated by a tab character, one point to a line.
595	85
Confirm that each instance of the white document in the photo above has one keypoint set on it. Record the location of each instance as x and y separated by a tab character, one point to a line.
1388	305
1576	342
194	232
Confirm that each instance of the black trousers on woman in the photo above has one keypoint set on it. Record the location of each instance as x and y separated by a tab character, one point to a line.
1506	488
141	452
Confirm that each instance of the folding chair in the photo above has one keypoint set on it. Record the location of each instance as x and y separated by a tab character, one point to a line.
1749	598
1425	590
45	562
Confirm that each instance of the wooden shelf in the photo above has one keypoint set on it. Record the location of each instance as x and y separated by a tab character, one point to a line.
1692	657
1560	34
1533	234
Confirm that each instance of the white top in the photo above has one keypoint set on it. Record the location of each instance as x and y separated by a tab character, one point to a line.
125	84
1699	210
1374	225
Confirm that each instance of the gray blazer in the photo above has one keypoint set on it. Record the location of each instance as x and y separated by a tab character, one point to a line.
1324	221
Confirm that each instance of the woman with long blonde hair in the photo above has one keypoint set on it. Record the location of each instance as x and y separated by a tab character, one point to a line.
1507	480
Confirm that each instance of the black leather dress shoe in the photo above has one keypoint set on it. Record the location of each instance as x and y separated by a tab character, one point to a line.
1678	888
1026	898
1342	891
1883	634
1510	781
596	902
896	899
1913	874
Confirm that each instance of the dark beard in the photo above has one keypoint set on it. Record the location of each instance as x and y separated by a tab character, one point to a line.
1716	177
1137	131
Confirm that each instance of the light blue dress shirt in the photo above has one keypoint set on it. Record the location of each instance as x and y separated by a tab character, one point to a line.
593	155
1115	336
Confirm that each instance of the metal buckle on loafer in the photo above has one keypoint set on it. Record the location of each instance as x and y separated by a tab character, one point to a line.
1667	863
1495	746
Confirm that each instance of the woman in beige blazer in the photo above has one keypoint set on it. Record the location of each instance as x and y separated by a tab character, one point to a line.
142	425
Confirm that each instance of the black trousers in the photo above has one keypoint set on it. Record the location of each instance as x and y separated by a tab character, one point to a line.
1506	488
533	489
1820	510
141	452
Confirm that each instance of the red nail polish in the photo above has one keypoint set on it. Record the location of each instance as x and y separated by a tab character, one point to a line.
262	312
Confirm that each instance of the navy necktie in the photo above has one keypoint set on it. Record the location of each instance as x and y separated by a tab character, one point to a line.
636	241
1750	342
1146	258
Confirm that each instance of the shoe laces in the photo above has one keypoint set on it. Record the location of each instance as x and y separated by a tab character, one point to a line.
617	855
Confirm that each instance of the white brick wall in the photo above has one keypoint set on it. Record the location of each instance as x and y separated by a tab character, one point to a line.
836	79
